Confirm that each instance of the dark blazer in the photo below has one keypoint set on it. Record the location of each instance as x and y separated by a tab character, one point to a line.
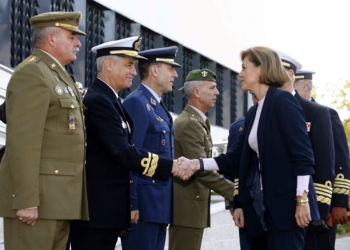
110	157
321	135
285	152
154	133
341	188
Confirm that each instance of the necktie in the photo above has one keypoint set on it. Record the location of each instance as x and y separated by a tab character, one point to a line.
208	124
165	109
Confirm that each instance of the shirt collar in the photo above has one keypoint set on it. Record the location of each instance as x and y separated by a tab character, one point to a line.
152	92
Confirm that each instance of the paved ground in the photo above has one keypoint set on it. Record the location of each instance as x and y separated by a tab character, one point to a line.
342	243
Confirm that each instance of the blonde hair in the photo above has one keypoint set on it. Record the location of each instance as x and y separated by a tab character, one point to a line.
272	70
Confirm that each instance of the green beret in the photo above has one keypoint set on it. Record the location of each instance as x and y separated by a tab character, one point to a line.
201	75
64	20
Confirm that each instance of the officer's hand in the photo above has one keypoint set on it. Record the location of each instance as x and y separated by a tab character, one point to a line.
329	221
302	215
28	215
339	215
134	216
238	217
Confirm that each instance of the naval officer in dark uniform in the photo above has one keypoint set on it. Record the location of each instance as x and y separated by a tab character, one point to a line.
340	193
110	156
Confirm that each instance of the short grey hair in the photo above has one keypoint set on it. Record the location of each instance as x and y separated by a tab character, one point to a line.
99	61
190	86
301	81
40	34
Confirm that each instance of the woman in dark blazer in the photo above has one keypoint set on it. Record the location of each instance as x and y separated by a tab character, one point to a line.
274	155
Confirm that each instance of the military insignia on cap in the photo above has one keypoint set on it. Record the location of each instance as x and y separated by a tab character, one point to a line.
137	44
58	90
204	73
32	59
153	102
53	65
308	126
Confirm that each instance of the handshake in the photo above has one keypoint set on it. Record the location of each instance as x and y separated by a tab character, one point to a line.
185	168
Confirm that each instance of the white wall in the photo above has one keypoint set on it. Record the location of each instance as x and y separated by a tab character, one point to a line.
5	74
217	29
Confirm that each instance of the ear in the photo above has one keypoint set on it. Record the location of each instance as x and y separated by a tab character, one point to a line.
196	92
51	39
107	62
306	85
154	70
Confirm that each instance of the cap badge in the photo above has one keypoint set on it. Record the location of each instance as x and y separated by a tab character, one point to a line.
58	90
137	44
308	126
204	73
153	102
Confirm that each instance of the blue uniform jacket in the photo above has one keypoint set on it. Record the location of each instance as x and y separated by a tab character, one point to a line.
110	157
319	128
285	152
153	132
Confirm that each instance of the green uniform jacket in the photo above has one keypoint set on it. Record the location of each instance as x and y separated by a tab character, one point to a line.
192	197
43	165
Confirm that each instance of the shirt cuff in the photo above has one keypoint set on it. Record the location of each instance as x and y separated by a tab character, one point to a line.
303	184
210	164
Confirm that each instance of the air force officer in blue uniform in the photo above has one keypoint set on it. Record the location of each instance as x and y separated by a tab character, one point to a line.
152	200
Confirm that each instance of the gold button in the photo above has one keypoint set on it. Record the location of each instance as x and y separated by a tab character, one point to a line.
131	181
72	106
56	171
153	181
85	144
13	196
197	196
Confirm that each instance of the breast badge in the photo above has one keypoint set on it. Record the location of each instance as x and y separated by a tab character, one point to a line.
70	90
71	121
160	119
153	102
58	90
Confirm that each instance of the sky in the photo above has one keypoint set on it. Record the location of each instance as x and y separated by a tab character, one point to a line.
317	34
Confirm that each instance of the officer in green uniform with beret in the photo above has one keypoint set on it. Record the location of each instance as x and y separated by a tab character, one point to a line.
42	175
193	141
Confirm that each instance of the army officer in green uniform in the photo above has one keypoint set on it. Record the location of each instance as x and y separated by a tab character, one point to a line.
193	140
42	183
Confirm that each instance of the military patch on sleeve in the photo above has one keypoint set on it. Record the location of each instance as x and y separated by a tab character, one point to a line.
341	185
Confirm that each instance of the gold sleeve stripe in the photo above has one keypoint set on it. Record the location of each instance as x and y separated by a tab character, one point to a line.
341	186
328	185
150	164
329	195
341	191
323	199
343	182
235	192
329	191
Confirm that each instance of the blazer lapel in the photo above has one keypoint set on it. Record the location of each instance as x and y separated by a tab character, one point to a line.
262	122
